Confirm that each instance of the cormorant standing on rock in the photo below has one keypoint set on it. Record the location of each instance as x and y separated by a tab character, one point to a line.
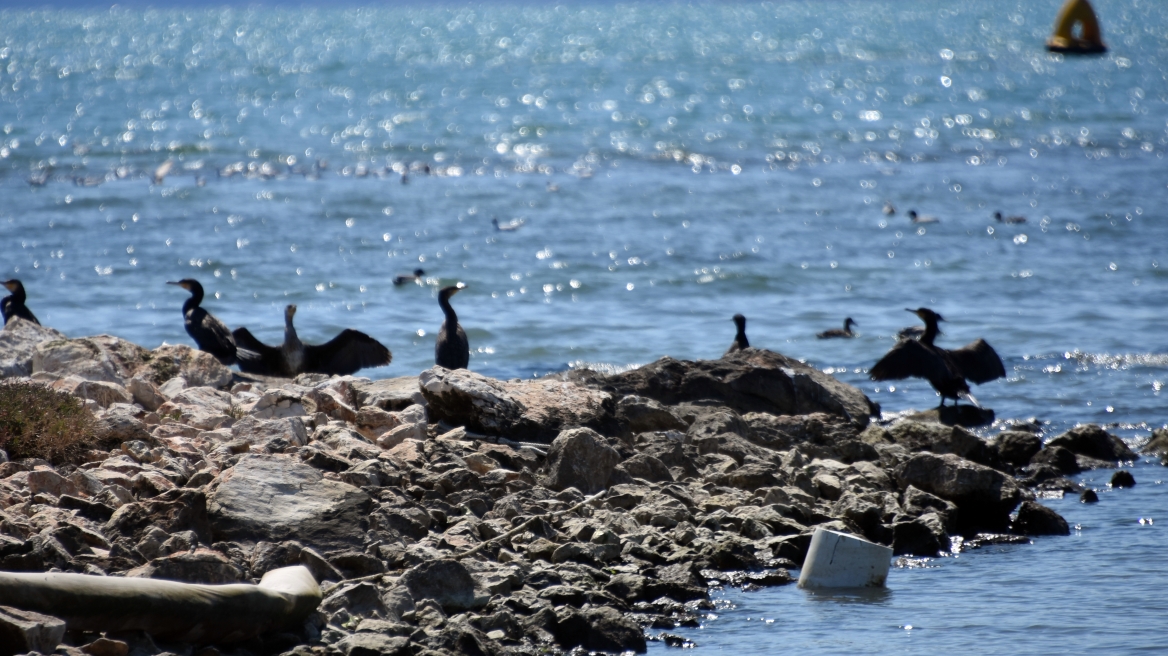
451	349
945	370
208	332
405	277
344	354
740	342
13	306
836	332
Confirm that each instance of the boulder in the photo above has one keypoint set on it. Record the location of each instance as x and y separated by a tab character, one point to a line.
374	644
172	511
197	368
939	438
1017	447
598	628
275	498
100	358
750	380
198	566
984	497
23	631
580	458
533	410
643	414
18	342
261	431
1061	459
1121	478
1036	519
445	581
1157	444
920	536
1092	441
388	394
645	466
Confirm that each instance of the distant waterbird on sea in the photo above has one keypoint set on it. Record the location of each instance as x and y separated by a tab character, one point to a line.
13	306
917	218
846	331
162	171
510	226
402	279
1008	219
946	370
451	348
888	209
211	334
740	342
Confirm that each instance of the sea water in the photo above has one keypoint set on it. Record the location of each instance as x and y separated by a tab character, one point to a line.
670	166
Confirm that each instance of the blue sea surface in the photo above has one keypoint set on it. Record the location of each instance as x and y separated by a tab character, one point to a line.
672	165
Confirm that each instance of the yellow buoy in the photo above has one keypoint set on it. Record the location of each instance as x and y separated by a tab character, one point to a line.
1088	42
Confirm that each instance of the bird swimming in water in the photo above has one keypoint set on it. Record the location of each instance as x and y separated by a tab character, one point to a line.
509	226
740	342
1009	219
406	277
836	332
945	370
209	333
344	354
13	306
888	209
916	218
451	349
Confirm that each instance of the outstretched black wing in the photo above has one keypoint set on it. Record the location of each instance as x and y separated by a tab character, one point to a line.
345	354
911	359
254	356
978	361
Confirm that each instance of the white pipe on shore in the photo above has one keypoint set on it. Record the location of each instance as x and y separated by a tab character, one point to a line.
167	610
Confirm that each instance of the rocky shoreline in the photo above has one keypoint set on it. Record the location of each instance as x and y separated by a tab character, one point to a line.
454	513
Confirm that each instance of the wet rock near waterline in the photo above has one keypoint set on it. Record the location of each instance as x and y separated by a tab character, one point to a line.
1122	478
1036	519
966	416
984	497
1093	442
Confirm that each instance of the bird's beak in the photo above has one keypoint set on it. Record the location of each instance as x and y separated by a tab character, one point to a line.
11	286
175	282
910	310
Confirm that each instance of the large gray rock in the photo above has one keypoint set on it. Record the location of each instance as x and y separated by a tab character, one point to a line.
580	458
521	410
198	368
388	394
18	342
1092	441
1017	447
984	496
101	358
445	581
1036	519
939	438
276	498
23	631
750	380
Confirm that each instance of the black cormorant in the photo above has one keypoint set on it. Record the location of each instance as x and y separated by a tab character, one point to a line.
1009	219
405	277
13	306
208	332
740	342
451	349
346	353
916	218
945	370
836	332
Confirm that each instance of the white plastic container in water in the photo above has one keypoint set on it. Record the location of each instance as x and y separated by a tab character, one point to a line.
839	560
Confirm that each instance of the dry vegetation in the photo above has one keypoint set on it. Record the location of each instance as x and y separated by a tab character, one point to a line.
38	422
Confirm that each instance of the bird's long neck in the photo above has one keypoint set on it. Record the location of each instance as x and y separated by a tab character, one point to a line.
451	317
18	296
194	301
741	336
291	340
931	331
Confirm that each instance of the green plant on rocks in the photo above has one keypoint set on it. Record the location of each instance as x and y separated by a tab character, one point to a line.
38	422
